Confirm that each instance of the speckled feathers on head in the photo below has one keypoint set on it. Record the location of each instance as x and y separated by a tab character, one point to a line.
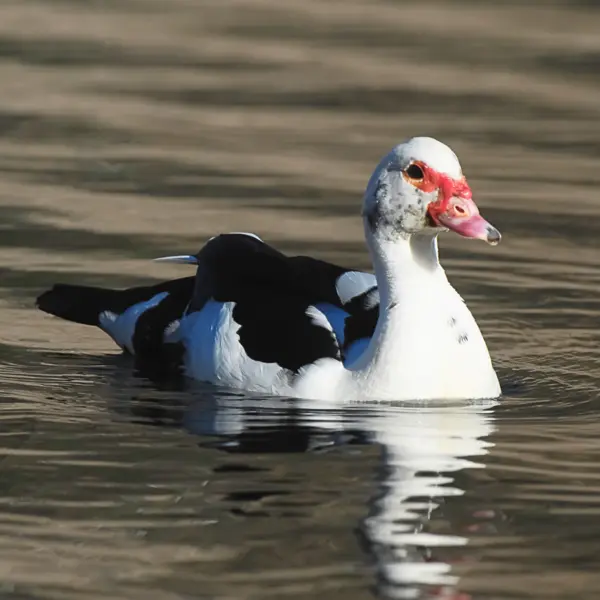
391	204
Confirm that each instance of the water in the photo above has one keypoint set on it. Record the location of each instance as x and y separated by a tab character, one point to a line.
138	128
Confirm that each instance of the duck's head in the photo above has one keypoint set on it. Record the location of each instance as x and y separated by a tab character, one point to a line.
419	187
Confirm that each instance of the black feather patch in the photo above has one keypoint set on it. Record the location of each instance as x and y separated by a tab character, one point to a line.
283	330
77	303
364	312
84	304
153	356
233	266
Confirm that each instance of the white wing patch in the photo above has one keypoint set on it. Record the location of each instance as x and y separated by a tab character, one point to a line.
318	318
352	284
122	327
214	353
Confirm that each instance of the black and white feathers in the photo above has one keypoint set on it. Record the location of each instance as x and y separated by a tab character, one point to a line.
250	313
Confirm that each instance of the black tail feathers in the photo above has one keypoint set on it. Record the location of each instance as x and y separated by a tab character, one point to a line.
78	303
84	304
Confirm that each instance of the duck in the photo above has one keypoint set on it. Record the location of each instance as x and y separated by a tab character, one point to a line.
257	320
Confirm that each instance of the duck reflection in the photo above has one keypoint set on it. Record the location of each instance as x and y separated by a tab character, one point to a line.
424	448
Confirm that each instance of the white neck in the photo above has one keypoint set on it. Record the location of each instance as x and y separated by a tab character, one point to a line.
411	259
426	343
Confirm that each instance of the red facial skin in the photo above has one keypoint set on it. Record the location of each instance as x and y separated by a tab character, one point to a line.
454	208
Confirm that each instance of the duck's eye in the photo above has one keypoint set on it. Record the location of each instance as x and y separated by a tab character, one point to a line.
414	172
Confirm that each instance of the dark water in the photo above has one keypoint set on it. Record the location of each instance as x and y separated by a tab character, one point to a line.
138	128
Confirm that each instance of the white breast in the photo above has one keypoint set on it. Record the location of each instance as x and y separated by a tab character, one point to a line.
431	348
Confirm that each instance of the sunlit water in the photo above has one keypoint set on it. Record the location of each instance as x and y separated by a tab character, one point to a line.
135	129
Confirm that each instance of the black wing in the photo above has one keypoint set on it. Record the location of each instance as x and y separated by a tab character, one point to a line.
284	330
231	266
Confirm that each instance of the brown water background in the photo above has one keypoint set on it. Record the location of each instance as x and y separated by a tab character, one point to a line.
131	129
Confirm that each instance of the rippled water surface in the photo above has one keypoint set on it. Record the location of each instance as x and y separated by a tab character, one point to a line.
139	128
